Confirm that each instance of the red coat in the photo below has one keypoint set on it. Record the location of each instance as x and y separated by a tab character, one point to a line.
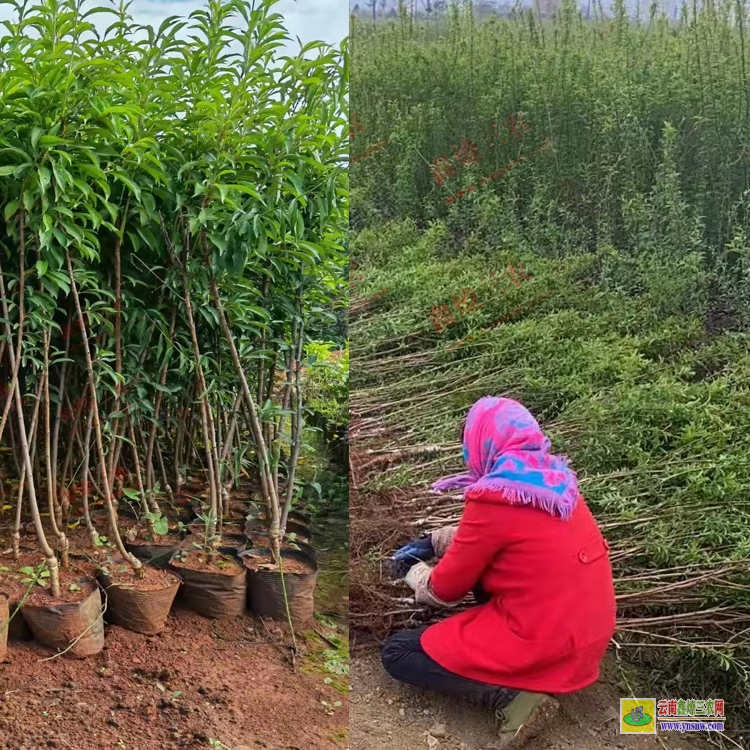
552	611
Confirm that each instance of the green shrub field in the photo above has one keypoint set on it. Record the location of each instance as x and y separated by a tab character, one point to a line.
633	233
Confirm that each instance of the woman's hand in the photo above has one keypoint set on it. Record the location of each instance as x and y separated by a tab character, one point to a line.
418	579
415	551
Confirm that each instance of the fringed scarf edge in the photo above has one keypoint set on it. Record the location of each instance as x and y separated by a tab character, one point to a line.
561	505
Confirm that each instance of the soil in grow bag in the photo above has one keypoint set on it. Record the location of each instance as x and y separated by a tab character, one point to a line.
257	526
266	591
261	540
300	530
78	539
238	507
198	529
157	551
238	542
10	584
214	588
138	604
72	623
4	618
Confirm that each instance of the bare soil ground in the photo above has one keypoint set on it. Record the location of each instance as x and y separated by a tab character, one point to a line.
388	716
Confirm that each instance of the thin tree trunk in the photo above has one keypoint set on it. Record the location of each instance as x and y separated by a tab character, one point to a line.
233	424
135	563
285	400
157	405
62	540
161	464
49	555
297	436
272	501
16	534
93	533
139	479
212	478
15	361
58	414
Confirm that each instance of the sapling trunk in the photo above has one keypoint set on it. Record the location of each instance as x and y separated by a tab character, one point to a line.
215	457
90	476
157	405
286	396
62	540
267	486
163	471
47	551
139	478
150	493
269	425
201	384
16	534
297	436
230	432
118	330
93	533
14	360
58	413
67	463
177	451
134	562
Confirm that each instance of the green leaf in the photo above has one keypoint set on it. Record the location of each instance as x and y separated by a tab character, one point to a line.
129	183
11	208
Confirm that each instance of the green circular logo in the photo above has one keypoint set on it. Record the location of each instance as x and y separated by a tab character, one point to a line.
635	721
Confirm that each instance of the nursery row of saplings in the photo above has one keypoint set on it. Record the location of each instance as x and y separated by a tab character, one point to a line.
229	570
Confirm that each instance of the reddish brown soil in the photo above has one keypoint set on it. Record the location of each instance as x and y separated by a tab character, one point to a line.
290	565
237	508
199	680
297	566
78	538
10	581
125	524
161	541
40	595
197	560
199	529
153	578
233	528
261	541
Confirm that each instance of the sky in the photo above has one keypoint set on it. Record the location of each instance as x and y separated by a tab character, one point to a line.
310	20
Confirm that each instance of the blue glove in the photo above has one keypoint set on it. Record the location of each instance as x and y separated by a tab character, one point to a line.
414	552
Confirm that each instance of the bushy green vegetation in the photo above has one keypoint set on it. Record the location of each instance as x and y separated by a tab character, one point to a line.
177	197
638	362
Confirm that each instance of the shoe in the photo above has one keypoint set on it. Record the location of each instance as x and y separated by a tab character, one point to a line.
523	719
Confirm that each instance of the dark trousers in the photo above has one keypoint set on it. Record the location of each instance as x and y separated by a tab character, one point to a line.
405	660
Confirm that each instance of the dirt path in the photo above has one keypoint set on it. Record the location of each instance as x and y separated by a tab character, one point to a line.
388	716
